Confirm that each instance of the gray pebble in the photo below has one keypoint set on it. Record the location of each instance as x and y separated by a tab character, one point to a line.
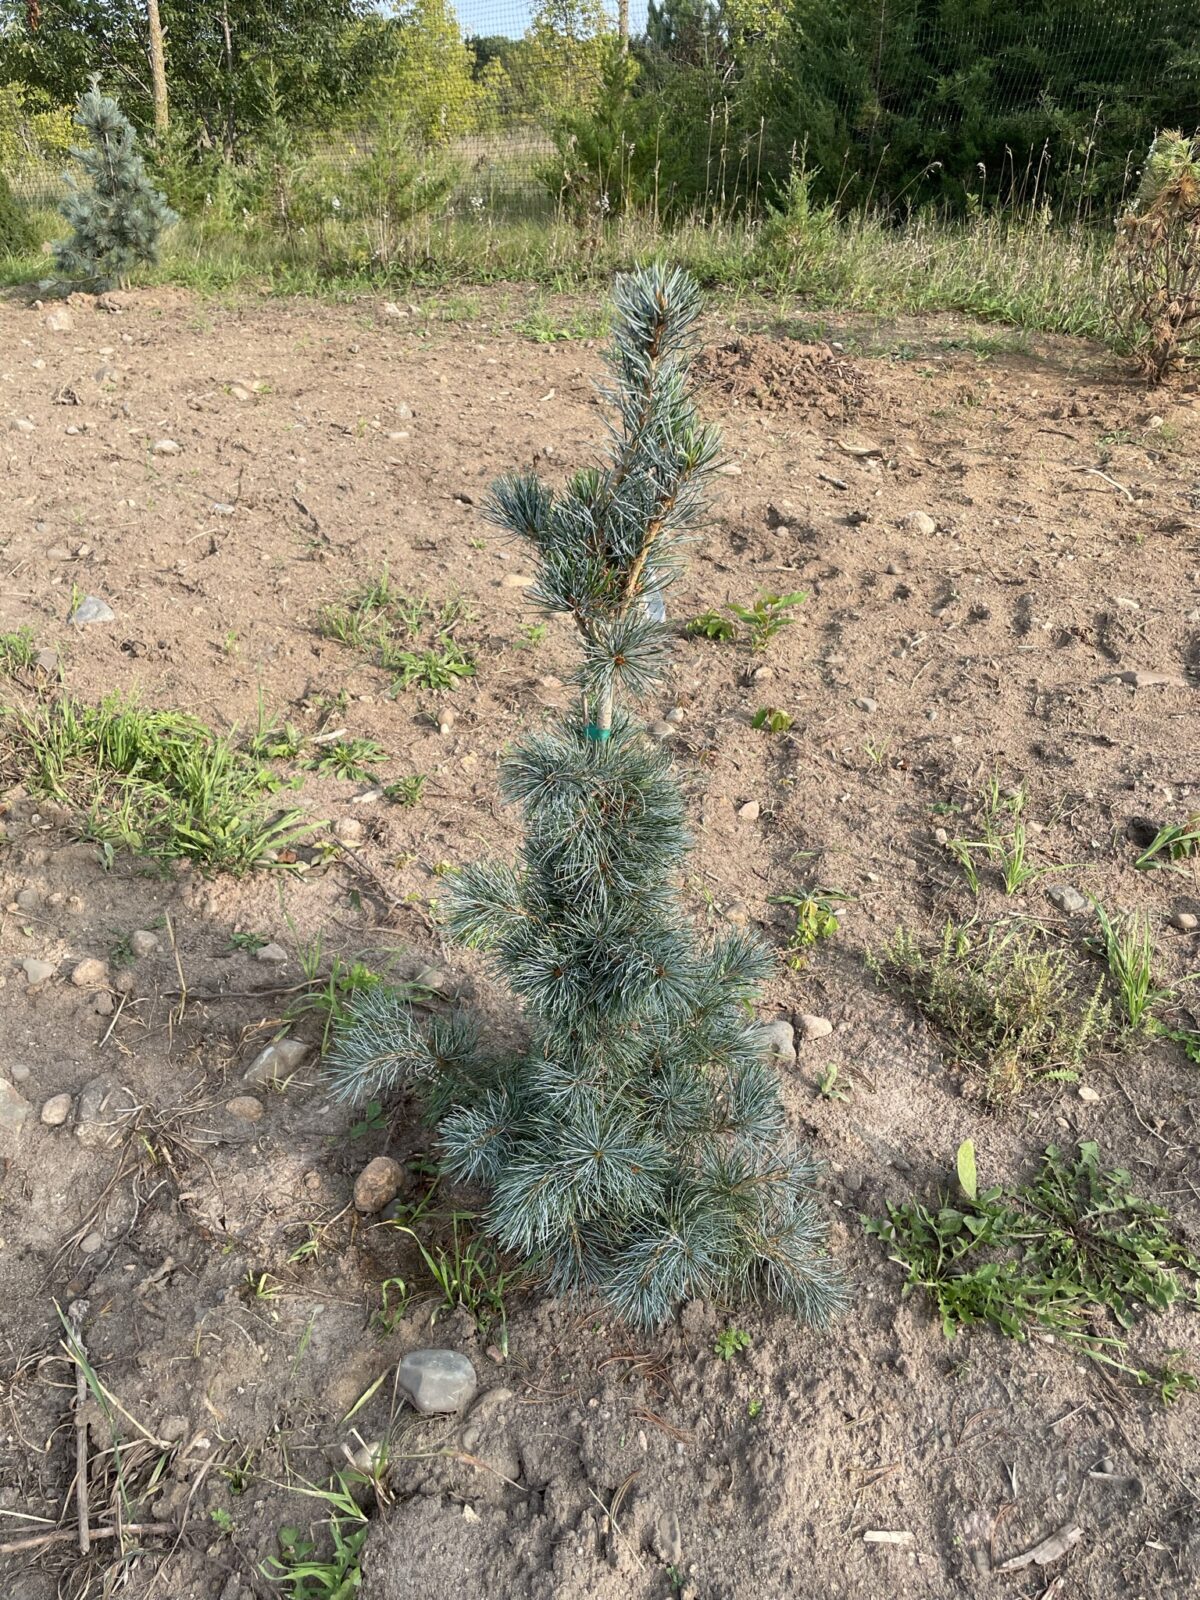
93	609
277	1061
1068	899
271	955
56	1110
812	1027
437	1380
105	1107
14	1108
780	1039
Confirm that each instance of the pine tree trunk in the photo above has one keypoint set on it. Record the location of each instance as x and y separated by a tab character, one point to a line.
158	68
623	21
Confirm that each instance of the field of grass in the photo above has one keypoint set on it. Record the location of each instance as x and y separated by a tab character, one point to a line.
1018	268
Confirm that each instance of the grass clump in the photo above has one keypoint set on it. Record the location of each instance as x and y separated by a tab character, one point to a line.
18	651
1075	1253
158	783
1007	1005
388	625
1004	844
1177	841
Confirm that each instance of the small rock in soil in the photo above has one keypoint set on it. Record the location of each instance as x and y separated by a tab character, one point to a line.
446	720
865	703
37	972
90	974
1152	680
1068	899
105	1107
1185	921
663	730
349	830
780	1039
143	943
737	913
812	1027
27	899
762	675
91	1242
920	522
59	321
102	1005
750	811
277	1061
1088	1094
246	1107
377	1183
676	714
271	955
437	1380
21	425
435	980
93	609
56	1110
164	447
667	1539
14	1108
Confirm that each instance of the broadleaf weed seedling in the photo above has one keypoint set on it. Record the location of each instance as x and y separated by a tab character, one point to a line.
771	719
731	1342
1073	1252
816	920
768	615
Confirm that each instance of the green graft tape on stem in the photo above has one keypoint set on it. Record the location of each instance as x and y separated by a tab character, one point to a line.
595	734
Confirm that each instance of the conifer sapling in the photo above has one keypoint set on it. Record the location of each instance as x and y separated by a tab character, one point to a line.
636	1147
117	216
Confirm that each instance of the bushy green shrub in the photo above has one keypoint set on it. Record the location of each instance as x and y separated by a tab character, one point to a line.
16	235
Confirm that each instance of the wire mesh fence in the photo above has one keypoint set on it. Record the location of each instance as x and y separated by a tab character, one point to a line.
304	113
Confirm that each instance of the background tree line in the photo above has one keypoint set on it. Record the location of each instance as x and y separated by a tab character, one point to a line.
903	101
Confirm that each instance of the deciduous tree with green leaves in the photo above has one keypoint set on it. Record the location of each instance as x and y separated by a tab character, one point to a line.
635	1146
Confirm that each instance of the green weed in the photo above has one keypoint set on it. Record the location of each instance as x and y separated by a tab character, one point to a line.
17	651
443	667
1176	842
816	920
1007	1005
711	625
338	1576
406	791
466	1272
383	622
771	719
1127	945
158	783
828	1086
1075	1253
731	1342
351	759
1005	842
767	616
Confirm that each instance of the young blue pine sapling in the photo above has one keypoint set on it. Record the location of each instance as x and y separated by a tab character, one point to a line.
117	216
636	1146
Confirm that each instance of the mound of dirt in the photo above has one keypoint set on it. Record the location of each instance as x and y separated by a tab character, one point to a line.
784	375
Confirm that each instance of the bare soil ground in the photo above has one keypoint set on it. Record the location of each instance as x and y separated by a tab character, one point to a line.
316	445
